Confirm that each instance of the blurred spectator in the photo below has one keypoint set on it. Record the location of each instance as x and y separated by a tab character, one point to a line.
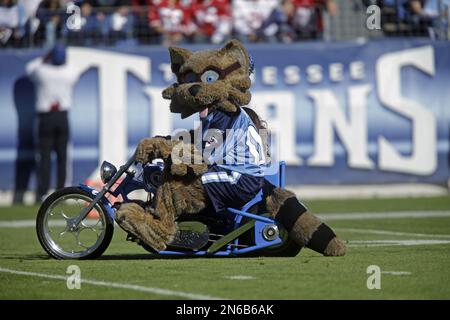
50	14
141	29
15	19
120	22
415	18
428	17
394	17
438	11
9	19
249	16
308	19
213	20
107	3
171	20
417	21
54	81
278	26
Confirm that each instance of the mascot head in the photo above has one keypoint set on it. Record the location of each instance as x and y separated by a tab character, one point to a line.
209	80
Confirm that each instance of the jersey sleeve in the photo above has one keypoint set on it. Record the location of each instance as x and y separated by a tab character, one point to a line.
32	67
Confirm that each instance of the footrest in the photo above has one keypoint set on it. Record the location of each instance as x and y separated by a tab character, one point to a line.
190	235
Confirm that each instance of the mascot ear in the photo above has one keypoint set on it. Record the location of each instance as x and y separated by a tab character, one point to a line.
238	51
178	57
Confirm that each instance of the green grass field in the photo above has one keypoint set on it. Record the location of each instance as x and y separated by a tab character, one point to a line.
413	269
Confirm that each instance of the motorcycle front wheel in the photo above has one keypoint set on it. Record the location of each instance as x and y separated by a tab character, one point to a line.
88	240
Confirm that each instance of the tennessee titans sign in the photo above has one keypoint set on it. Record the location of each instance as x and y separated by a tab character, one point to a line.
340	113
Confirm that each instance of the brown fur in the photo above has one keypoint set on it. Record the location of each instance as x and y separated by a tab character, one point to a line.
275	200
143	225
151	148
182	191
336	248
304	228
157	227
306	225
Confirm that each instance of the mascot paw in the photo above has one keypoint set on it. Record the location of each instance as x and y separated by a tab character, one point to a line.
179	169
199	169
153	148
141	224
335	248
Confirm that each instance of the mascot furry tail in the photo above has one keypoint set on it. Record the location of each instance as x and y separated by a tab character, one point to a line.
306	229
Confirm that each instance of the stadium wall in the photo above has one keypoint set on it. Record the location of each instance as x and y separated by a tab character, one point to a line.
342	113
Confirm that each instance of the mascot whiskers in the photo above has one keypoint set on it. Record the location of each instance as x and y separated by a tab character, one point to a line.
215	84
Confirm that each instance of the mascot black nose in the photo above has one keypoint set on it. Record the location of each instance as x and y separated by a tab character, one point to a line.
194	90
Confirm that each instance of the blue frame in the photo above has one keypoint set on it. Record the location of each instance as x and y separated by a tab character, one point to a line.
129	184
105	202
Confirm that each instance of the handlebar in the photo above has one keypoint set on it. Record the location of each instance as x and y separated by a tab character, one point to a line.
77	220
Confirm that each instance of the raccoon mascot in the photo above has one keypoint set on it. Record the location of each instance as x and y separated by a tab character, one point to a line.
215	84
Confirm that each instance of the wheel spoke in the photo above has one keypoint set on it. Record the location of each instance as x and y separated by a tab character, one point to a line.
62	233
77	237
64	215
79	206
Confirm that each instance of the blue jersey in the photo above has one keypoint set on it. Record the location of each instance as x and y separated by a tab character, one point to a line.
231	141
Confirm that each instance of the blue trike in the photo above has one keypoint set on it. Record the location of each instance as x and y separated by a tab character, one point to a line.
78	222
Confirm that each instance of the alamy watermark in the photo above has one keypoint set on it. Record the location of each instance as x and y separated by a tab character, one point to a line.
373	19
74	280
74	20
374	279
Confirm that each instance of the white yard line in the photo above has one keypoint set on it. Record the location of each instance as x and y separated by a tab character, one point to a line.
397	273
368	191
239	277
383	215
153	290
386	243
325	217
392	233
28	223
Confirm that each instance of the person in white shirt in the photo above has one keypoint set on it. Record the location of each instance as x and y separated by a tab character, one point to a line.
54	81
249	16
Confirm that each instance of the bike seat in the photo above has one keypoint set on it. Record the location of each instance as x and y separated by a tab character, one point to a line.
277	178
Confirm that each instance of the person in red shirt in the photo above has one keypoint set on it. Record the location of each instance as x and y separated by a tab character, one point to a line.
142	32
308	20
213	20
172	19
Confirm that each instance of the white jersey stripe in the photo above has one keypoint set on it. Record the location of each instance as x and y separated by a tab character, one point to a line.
221	177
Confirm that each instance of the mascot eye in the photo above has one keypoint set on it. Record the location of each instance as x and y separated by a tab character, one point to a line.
190	77
209	76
